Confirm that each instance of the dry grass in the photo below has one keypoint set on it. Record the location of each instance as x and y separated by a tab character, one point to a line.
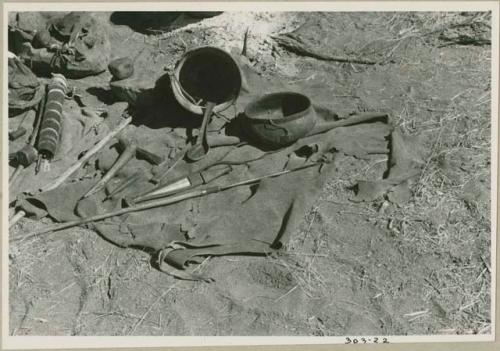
448	217
450	223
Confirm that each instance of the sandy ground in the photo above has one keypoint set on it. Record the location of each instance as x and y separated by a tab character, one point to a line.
353	269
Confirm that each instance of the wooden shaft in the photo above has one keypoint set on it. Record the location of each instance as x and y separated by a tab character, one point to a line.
87	156
16	218
15	174
100	217
20	130
38	118
225	140
159	177
355	119
204	124
201	148
161	202
149	156
135	177
122	160
16	134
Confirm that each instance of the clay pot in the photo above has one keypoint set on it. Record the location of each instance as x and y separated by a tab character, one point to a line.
278	119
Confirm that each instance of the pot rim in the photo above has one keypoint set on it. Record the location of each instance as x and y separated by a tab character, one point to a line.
178	91
284	119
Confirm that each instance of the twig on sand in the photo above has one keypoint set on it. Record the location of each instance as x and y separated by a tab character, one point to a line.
383	218
298	49
315	212
287	293
486	264
420	182
139	322
245	41
418	313
417	317
116	313
432	285
463	308
484	329
304	254
472	20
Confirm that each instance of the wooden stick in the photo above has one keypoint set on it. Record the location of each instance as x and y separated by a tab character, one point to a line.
38	118
86	157
295	46
354	119
179	156
15	174
132	179
16	218
100	217
158	203
245	41
122	160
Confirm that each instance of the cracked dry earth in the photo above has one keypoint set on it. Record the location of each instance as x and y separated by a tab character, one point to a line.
354	268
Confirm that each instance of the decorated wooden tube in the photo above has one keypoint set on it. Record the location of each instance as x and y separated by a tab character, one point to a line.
50	131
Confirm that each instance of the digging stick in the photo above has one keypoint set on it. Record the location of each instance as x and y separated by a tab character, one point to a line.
152	204
159	203
355	119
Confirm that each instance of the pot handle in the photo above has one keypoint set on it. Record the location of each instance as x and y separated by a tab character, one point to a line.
274	126
286	137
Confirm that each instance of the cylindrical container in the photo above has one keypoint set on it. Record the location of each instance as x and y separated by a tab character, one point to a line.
206	74
278	119
50	130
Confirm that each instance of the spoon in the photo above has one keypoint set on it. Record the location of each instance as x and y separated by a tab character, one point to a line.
201	148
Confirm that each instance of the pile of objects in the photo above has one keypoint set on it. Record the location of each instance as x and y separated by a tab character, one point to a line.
236	175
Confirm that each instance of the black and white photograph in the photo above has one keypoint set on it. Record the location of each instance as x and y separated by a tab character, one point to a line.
257	173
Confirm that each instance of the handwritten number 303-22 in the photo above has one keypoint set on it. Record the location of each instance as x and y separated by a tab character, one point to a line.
364	341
